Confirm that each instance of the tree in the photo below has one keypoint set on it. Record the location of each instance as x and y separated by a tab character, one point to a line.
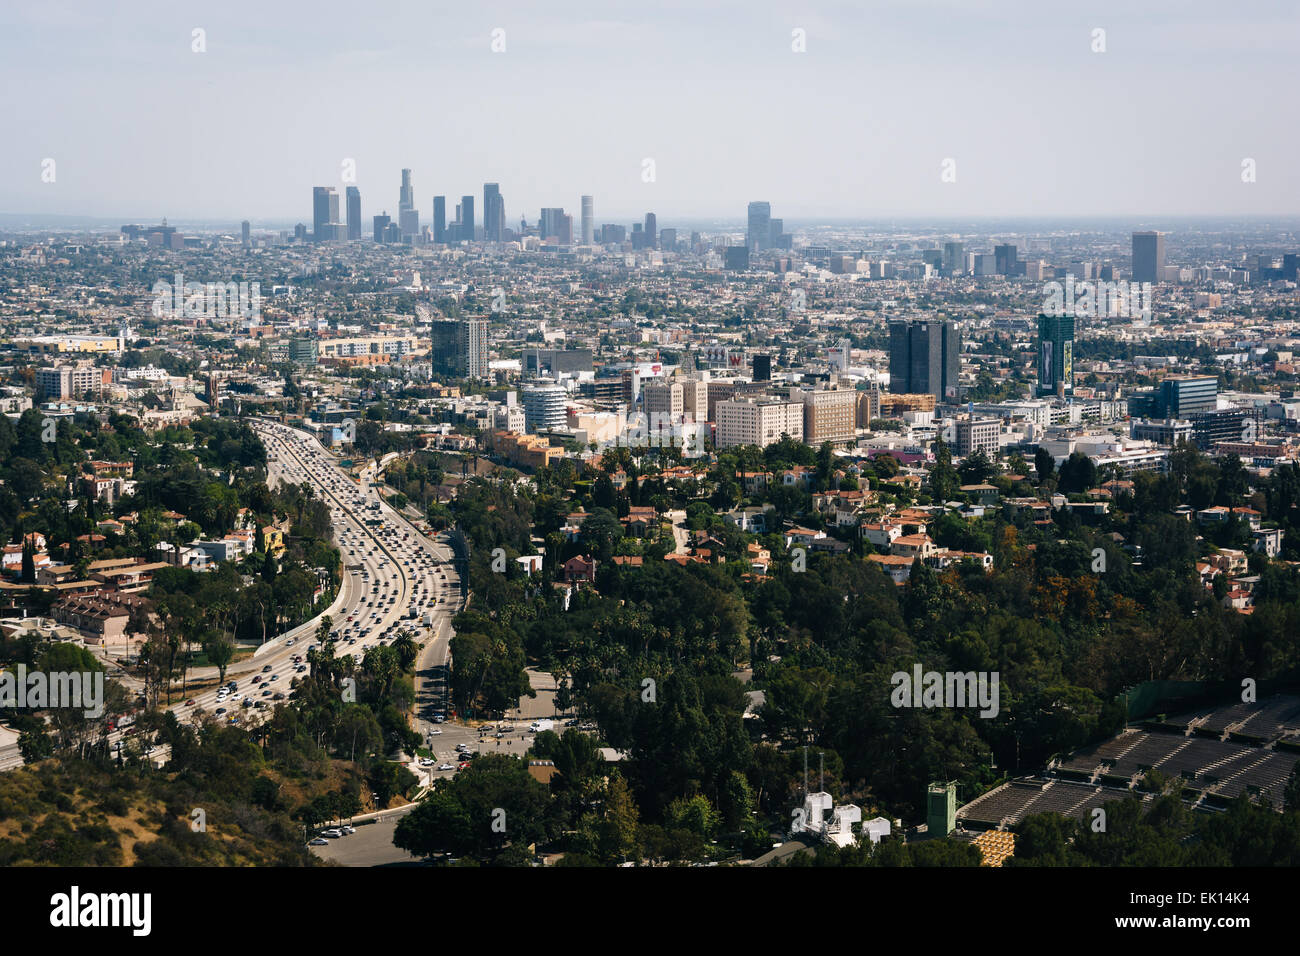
1044	464
1078	474
943	476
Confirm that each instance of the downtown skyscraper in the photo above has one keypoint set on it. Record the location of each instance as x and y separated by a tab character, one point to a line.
588	220
354	212
758	232
439	218
1148	256
467	218
324	213
494	213
408	217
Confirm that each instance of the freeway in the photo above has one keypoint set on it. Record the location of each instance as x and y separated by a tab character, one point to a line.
395	579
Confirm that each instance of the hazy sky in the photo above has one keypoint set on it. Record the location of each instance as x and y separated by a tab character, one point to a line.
140	126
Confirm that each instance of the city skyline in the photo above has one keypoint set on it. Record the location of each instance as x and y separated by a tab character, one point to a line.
1060	132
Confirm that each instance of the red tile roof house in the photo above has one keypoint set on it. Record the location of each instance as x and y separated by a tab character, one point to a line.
579	570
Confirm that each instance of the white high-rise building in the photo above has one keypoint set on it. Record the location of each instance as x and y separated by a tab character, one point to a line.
588	220
759	423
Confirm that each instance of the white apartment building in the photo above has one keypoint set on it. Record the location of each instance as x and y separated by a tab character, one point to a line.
759	423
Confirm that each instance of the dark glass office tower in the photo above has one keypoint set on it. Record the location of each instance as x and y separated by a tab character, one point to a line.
758	234
324	212
467	218
493	212
1004	259
1055	354
381	227
354	212
924	359
1148	256
439	218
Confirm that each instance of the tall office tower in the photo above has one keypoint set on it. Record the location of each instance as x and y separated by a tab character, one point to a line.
954	258
612	232
1148	256
459	348
381	227
548	223
405	197
565	233
244	234
1004	257
467	218
354	212
493	214
588	221
651	231
324	212
776	234
410	224
762	368
439	218
758	235
668	239
1055	355
924	359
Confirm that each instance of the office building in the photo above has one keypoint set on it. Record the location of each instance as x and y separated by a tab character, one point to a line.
664	400
1005	259
304	351
1148	256
406	195
762	368
1178	396
325	212
975	434
1055	355
924	357
758	234
651	231
244	229
354	212
830	415
954	258
410	224
736	258
557	361
588	220
439	218
381	227
467	218
494	214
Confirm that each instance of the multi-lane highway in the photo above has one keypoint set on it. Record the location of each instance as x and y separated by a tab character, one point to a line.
394	579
